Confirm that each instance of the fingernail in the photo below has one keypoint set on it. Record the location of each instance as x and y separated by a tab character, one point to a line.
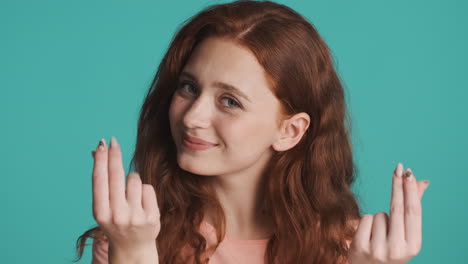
92	153
399	169
102	144
408	174
113	142
427	182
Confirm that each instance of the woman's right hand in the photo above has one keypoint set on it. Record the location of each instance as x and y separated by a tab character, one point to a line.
129	218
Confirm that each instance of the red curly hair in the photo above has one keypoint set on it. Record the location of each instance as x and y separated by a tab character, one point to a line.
311	203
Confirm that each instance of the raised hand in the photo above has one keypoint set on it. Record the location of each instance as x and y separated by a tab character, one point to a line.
129	217
396	238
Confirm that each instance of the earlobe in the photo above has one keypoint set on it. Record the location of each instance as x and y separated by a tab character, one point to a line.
277	146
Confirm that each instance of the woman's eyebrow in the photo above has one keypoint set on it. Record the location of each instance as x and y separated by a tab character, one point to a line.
221	85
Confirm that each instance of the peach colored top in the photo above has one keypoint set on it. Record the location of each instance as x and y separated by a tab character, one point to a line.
230	250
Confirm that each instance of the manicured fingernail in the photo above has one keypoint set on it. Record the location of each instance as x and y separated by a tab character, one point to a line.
427	182
399	170
113	142
408	174
102	144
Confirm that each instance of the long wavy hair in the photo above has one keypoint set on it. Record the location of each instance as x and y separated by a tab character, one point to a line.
308	187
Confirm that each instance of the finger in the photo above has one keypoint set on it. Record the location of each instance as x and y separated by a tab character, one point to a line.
116	176
150	202
397	218
413	211
379	235
422	185
133	192
361	240
101	207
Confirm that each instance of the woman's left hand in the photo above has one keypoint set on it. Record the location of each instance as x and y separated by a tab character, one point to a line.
396	238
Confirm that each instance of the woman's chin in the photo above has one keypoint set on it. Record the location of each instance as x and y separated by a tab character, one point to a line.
195	165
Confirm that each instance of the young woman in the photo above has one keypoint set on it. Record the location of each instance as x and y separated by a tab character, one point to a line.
243	155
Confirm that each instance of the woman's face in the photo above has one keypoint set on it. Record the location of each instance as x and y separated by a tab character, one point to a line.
242	128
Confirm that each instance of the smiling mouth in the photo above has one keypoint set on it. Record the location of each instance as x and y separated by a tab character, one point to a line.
195	140
196	147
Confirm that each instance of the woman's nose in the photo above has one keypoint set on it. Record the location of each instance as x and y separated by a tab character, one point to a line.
198	114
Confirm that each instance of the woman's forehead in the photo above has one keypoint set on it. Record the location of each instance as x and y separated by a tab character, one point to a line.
217	61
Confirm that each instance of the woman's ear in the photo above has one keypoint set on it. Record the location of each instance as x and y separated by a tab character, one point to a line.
291	131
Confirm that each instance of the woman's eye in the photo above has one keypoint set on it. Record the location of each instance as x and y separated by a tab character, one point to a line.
228	99
231	102
183	84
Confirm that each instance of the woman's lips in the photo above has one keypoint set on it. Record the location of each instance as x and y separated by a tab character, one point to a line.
194	143
194	146
198	141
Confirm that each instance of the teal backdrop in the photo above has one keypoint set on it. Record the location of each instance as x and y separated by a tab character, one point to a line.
72	72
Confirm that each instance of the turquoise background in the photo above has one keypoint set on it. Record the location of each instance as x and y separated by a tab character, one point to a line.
72	72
